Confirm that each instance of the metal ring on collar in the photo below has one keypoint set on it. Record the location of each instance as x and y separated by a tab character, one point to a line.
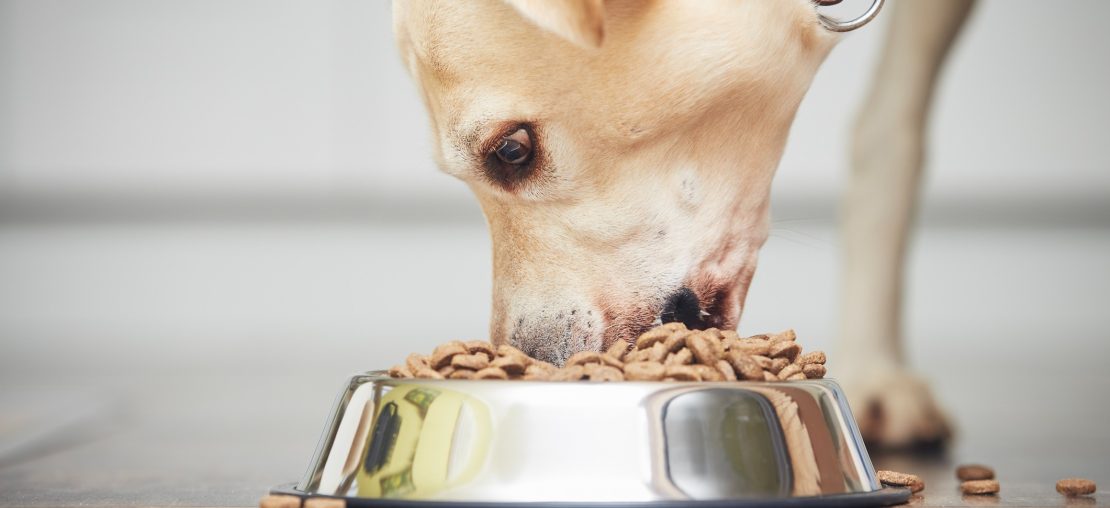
836	25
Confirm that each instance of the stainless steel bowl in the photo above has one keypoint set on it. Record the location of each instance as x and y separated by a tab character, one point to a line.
428	442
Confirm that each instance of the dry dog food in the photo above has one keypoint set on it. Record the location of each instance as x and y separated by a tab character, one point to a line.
324	502
979	487
670	352
280	502
895	479
1076	487
969	472
295	502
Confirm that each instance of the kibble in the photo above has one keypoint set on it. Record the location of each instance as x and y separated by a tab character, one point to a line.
491	373
651	337
428	373
657	352
789	370
708	373
785	349
817	357
511	365
442	355
787	335
979	487
400	371
704	347
670	352
507	350
476	361
461	374
814	371
643	371
416	362
1076	487
324	502
277	501
584	358
680	373
726	370
896	479
540	370
572	373
605	373
760	347
681	357
969	472
639	355
481	346
612	362
676	342
618	349
745	366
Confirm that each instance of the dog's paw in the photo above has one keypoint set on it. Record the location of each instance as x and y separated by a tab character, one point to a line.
896	410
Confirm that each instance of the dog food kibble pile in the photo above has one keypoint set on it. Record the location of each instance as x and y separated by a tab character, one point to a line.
670	352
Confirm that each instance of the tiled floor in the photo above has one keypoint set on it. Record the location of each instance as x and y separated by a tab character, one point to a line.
193	364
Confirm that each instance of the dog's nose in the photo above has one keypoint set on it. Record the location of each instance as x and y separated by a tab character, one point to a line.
683	306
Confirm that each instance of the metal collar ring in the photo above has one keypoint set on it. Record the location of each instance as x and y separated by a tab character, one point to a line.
836	25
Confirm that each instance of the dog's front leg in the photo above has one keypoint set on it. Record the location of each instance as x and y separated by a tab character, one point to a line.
894	407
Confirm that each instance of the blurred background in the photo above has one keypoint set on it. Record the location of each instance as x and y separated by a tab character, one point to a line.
212	211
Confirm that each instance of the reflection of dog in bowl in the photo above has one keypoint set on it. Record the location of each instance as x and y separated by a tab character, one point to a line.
413	450
623	153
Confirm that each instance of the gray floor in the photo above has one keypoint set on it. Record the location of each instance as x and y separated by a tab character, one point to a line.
192	363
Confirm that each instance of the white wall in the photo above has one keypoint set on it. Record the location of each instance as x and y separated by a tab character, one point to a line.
1020	113
205	98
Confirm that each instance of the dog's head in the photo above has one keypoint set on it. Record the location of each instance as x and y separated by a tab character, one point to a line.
622	150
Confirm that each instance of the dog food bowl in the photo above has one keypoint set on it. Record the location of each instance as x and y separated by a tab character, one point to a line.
441	443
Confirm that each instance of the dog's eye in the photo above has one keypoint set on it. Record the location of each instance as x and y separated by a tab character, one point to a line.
516	148
513	159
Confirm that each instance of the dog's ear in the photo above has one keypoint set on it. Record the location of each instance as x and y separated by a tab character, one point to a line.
579	21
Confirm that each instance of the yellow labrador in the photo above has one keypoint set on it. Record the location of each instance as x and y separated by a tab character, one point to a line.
622	151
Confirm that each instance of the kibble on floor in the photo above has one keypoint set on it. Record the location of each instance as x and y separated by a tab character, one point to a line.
974	472
980	487
1076	487
896	479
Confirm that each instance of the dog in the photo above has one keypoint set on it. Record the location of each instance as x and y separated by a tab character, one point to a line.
622	152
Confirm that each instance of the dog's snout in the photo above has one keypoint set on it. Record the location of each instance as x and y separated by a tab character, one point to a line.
683	306
553	336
